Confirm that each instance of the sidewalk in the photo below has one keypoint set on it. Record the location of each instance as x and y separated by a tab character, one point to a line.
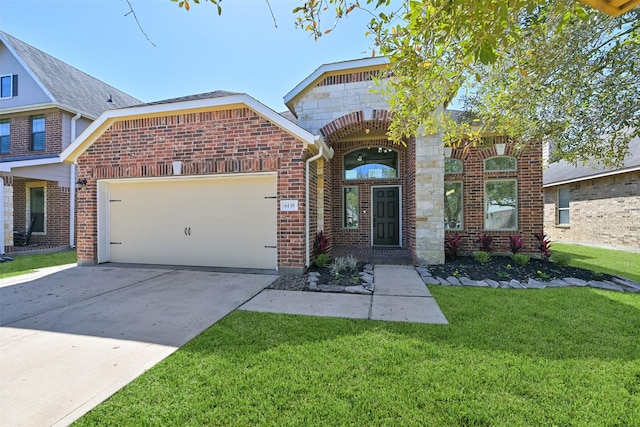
400	295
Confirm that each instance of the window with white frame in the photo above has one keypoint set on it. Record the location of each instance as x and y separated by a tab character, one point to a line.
501	204
36	207
371	163
8	86
500	164
5	136
351	207
564	199
38	133
453	205
453	166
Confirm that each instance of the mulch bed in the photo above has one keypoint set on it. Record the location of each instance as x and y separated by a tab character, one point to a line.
501	268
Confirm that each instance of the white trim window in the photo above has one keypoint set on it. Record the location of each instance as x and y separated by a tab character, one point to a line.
453	205
564	201
500	164
8	86
5	136
36	207
351	207
501	205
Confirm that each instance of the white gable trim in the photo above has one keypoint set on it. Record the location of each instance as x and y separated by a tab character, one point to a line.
99	126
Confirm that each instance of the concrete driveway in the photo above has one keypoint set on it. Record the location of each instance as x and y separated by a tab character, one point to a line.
73	338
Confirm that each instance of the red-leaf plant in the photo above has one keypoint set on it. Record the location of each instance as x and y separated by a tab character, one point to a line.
544	245
516	244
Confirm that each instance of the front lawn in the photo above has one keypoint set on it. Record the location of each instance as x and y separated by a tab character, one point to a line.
23	264
563	356
619	263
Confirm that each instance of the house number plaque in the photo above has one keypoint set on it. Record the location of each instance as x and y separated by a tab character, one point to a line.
288	205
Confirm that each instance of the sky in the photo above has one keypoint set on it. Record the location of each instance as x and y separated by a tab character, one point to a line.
195	51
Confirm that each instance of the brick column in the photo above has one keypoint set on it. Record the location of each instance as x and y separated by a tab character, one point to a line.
429	199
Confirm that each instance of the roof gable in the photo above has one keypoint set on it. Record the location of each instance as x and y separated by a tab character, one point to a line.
188	104
65	85
328	69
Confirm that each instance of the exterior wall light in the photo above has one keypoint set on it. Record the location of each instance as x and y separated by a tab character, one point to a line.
80	184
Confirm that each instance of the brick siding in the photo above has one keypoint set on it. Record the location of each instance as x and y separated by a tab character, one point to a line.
529	191
20	128
603	211
208	143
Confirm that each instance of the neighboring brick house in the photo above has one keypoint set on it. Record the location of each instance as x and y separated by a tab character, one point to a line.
219	179
594	205
44	104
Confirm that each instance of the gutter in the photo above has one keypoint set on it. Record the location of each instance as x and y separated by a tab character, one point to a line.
321	144
72	188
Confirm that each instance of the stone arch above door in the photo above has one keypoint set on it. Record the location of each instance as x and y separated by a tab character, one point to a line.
362	121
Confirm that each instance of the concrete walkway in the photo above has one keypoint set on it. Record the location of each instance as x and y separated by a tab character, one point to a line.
400	295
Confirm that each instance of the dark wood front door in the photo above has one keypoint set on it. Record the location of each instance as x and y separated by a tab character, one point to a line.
386	216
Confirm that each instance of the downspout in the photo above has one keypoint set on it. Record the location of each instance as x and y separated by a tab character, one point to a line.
328	155
306	205
72	189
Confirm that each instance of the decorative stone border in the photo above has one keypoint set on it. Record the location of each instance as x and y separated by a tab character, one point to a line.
617	284
365	287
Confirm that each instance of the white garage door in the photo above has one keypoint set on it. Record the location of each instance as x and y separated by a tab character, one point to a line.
225	221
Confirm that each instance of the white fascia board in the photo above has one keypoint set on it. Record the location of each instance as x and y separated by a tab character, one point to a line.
588	177
7	166
45	106
99	126
26	67
331	68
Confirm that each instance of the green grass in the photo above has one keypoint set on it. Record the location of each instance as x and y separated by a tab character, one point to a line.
619	263
24	264
508	358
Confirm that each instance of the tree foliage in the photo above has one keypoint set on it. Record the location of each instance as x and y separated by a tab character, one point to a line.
537	69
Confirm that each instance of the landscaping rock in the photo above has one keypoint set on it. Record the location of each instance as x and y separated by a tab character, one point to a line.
627	283
516	285
535	284
429	280
443	282
575	281
357	290
483	283
331	288
467	282
454	281
604	285
557	283
492	283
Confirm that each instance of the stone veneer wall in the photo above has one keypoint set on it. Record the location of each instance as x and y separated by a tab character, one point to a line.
603	211
429	191
7	182
323	104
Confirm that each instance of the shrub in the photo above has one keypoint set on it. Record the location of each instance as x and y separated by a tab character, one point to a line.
520	259
485	241
482	257
351	263
321	244
516	244
544	245
560	259
338	266
452	245
321	260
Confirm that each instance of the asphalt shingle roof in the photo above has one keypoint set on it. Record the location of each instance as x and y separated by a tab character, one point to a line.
69	86
563	171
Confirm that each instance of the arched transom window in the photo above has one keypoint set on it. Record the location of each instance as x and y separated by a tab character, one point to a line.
371	163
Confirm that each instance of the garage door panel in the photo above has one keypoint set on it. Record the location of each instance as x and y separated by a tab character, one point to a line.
224	222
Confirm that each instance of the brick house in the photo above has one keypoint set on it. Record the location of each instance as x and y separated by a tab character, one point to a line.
594	205
218	179
44	104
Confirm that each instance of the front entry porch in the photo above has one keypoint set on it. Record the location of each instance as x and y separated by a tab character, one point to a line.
375	255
